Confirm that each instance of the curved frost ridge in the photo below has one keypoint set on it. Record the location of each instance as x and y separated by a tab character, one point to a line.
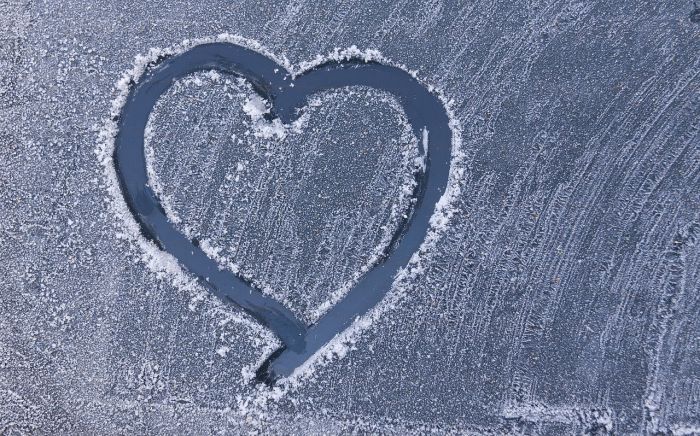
167	267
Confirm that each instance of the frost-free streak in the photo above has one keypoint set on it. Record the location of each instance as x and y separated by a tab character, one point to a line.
287	95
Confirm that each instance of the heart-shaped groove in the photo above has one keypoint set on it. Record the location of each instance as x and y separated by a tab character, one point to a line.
287	95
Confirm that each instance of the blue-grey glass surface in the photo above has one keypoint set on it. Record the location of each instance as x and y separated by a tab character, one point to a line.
563	297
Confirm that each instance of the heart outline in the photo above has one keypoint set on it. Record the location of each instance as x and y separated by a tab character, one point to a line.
287	94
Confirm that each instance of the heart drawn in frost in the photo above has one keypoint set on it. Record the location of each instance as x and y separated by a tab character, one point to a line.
287	95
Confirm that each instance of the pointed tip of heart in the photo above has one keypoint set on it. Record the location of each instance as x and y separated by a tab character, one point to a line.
265	374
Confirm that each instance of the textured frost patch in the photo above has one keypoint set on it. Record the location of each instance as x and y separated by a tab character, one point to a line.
302	212
256	108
